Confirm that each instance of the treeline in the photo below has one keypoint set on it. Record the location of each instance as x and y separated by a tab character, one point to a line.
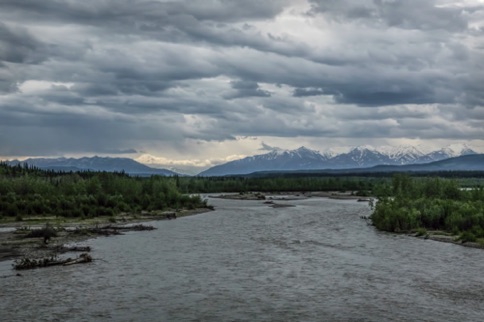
409	204
360	185
365	173
26	191
20	170
277	184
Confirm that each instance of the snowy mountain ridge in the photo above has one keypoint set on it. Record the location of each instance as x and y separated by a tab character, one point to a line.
355	157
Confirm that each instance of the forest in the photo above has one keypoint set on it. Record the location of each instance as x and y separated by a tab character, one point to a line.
29	191
419	204
277	184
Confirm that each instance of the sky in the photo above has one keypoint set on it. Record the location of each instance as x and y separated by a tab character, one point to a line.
193	83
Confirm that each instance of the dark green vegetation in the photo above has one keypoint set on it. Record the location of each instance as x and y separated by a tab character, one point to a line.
28	191
404	203
376	172
420	204
361	184
276	184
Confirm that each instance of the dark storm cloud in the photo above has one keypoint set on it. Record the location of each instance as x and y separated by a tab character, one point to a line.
99	12
174	21
407	14
266	147
88	75
246	89
129	77
435	27
34	132
378	97
18	46
95	89
7	83
120	151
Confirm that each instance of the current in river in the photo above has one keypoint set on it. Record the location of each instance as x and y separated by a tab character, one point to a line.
246	261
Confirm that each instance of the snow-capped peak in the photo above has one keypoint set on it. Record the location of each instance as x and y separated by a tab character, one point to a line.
404	150
364	148
329	153
336	158
458	149
335	151
303	149
299	151
276	152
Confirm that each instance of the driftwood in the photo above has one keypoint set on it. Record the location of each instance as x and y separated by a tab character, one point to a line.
110	230
46	232
170	215
128	228
105	231
364	199
27	263
278	205
7	276
83	258
65	249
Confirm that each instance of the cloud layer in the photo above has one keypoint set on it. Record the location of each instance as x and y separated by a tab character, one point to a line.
210	79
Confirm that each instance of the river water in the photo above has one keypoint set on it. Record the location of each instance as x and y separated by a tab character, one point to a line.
318	261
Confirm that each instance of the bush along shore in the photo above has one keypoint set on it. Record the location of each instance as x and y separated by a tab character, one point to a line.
432	208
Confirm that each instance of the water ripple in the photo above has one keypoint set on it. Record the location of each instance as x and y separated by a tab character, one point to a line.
317	261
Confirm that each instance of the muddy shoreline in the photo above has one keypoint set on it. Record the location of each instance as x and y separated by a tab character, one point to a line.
14	244
447	238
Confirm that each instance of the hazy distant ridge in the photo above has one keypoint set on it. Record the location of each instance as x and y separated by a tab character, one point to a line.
94	164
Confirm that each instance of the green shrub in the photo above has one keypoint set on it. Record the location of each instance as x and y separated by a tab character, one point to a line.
467	236
11	210
102	211
421	232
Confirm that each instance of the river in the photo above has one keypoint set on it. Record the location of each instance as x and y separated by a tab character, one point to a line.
245	261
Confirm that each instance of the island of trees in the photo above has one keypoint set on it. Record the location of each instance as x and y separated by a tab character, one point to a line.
417	204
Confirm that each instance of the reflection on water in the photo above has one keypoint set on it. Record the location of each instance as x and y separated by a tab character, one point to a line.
245	261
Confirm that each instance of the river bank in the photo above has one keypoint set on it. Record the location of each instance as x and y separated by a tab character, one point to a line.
444	237
291	195
14	243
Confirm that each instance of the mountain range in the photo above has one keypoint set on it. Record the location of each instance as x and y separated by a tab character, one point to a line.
405	158
358	157
471	162
96	163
